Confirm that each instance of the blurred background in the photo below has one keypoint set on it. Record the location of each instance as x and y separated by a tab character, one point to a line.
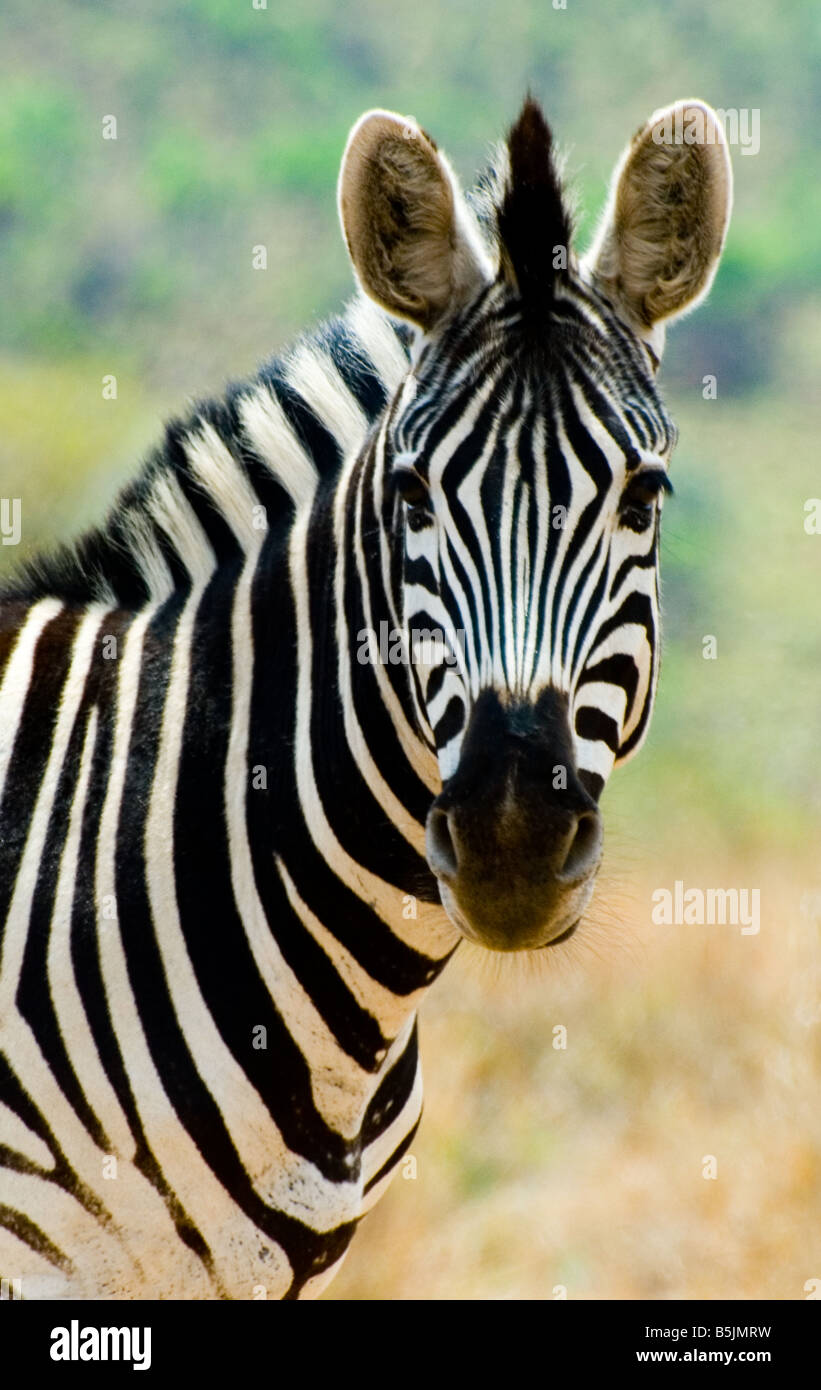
540	1169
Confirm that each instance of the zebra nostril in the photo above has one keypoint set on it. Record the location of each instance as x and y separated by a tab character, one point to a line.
439	846
584	850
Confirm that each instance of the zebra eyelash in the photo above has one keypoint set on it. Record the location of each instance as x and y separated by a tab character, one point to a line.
650	480
413	491
637	507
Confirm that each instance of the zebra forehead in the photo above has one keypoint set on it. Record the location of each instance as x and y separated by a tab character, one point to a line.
494	379
575	334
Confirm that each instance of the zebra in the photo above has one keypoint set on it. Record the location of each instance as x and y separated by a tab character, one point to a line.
238	841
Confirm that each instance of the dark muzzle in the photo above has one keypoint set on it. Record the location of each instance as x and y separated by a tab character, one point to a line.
514	838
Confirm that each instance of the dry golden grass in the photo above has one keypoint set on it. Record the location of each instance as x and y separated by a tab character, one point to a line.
539	1167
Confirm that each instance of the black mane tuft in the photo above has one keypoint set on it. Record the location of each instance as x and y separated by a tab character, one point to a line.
532	217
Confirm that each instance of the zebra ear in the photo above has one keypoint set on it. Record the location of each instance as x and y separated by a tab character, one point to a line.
658	244
413	241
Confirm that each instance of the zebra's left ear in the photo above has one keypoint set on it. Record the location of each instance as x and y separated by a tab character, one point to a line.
413	241
660	238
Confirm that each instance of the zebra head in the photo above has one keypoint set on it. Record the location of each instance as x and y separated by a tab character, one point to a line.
523	463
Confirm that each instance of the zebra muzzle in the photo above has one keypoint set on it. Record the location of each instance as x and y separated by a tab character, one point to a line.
514	846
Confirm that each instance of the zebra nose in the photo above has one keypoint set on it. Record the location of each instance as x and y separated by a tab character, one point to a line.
514	846
581	849
513	882
571	861
439	846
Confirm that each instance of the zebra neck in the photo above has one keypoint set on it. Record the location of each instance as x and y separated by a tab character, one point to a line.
232	593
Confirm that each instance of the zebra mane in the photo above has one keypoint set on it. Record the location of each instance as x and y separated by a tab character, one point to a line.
253	457
523	208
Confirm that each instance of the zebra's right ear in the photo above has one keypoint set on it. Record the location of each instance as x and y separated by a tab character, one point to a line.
412	239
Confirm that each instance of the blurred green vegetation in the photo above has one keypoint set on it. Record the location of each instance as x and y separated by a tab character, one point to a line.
230	125
133	256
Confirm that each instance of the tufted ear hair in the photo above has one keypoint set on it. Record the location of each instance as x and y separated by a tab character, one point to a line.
413	241
658	244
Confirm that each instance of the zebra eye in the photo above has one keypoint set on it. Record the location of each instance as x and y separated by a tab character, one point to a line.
637	508
415	495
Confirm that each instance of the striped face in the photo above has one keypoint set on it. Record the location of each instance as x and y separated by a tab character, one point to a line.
529	480
527	457
528	476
